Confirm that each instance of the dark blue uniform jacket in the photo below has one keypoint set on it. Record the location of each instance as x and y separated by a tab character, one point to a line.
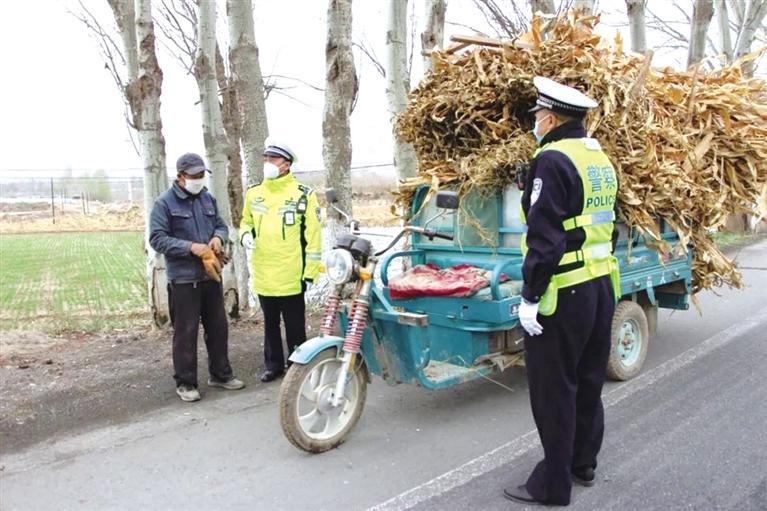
178	220
561	197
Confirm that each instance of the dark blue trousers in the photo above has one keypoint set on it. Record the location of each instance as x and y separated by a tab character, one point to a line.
566	368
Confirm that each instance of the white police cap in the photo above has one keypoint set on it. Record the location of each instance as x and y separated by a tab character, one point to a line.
561	98
276	147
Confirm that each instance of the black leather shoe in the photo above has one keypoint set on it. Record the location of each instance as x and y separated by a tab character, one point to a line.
519	494
270	375
584	476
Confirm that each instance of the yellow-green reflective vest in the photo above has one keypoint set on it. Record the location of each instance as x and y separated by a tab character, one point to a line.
600	187
284	218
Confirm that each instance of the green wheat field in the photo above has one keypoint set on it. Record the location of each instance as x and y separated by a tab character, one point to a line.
62	282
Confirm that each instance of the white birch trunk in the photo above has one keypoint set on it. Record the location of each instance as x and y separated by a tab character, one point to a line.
543	6
134	22
738	11
702	12
752	20
249	84
217	144
398	84
636	14
723	22
433	35
340	92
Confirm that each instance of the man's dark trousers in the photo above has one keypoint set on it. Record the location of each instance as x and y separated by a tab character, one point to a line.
566	368
293	311
190	303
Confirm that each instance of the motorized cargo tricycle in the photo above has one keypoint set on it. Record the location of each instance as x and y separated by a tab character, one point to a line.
437	342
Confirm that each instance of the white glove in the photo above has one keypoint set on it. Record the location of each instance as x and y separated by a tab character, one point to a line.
528	317
247	241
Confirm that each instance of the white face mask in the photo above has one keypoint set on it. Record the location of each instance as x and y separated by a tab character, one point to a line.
538	137
271	171
194	186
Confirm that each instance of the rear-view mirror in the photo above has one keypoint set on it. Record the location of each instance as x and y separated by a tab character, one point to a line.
330	196
447	200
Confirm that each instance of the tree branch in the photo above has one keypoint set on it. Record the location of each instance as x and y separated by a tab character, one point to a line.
373	58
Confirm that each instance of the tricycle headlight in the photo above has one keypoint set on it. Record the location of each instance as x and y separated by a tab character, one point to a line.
339	266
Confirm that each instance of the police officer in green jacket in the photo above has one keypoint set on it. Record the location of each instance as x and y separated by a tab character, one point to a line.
570	284
281	225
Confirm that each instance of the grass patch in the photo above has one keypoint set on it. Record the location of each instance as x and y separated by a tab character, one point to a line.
734	239
72	281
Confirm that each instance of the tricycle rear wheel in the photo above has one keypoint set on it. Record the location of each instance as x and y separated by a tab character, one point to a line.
306	416
630	339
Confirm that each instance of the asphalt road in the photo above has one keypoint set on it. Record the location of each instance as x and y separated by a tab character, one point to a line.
688	433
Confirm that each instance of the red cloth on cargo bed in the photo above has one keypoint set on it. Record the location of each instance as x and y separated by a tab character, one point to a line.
429	280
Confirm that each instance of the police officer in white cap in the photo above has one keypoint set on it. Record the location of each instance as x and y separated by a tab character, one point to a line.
569	292
281	225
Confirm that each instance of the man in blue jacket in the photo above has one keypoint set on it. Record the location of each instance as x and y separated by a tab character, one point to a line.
187	228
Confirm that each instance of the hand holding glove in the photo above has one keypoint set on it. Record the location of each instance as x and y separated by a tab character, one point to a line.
212	264
528	317
247	241
223	258
198	249
216	245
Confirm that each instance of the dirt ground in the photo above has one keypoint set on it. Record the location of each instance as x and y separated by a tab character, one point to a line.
54	385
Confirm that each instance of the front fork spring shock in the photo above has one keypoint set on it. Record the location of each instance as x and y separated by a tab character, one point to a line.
358	316
329	320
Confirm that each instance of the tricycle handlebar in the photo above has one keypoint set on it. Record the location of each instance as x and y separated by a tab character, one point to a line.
420	230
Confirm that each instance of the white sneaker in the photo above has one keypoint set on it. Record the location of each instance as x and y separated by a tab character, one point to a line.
188	393
231	384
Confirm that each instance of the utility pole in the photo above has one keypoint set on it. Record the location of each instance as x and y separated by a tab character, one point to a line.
53	204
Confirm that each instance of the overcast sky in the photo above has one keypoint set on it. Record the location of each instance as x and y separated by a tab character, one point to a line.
61	108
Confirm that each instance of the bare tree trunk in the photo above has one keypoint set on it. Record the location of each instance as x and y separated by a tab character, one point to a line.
249	84
340	94
230	117
702	12
543	6
738	11
230	112
216	141
750	21
433	35
754	16
723	21
144	85
217	145
398	84
586	5
636	10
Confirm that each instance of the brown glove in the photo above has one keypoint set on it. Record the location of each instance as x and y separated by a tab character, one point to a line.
212	264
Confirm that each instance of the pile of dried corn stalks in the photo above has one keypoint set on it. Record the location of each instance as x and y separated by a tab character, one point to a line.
689	147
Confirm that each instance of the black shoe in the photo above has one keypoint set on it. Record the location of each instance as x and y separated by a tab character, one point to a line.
519	494
584	476
270	375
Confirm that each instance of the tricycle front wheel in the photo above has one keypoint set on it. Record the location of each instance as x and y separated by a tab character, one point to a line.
308	419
